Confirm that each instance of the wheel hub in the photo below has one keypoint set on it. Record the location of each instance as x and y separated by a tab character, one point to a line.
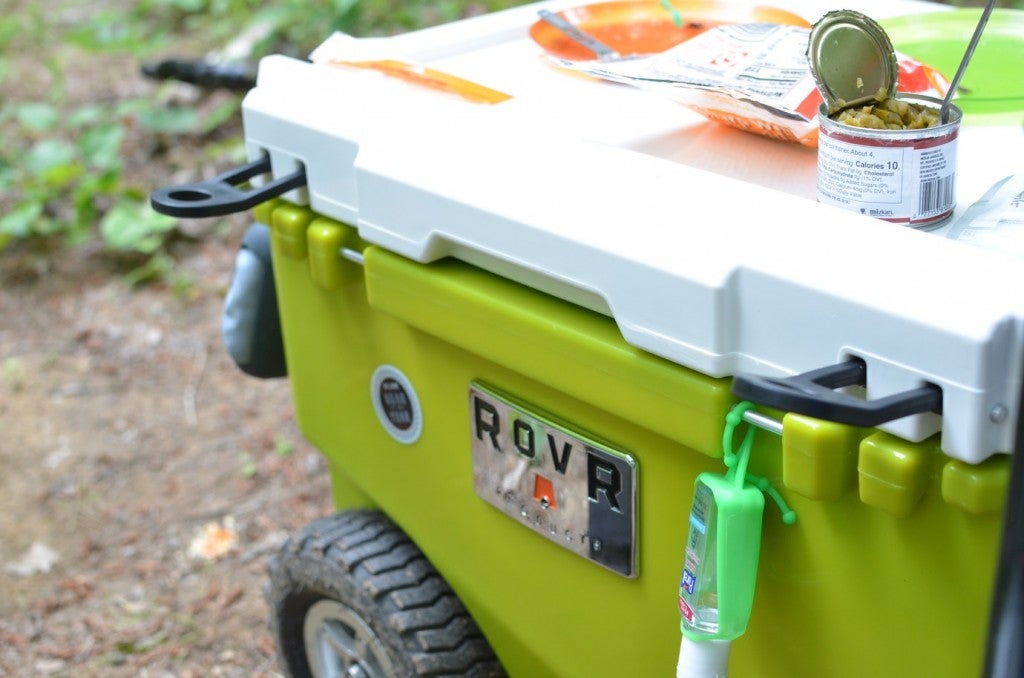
340	644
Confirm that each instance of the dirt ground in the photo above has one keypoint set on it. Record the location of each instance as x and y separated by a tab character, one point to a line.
125	431
128	439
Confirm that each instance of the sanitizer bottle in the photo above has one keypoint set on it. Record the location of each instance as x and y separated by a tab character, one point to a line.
716	588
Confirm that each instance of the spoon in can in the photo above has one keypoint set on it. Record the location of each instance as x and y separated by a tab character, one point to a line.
944	110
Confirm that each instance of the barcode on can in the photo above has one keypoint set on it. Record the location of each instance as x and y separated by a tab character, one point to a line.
936	195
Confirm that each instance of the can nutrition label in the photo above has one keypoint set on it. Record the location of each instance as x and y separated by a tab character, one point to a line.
903	183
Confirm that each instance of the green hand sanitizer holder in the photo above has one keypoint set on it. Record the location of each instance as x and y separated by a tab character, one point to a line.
716	590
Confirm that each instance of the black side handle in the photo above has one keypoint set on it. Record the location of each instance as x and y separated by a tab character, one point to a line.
813	394
251	323
220	195
232	76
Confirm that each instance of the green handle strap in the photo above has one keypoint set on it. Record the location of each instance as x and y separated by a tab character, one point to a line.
737	462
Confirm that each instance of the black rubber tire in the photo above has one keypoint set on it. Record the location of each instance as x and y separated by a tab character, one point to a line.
362	560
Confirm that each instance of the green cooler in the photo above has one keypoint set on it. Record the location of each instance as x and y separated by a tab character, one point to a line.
518	306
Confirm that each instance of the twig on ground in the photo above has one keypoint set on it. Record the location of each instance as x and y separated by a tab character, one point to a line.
189	397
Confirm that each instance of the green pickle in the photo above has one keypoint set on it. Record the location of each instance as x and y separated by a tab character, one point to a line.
889	113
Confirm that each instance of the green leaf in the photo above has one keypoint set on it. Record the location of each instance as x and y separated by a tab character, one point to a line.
60	176
90	114
46	226
98	183
53	163
230	150
134	227
343	7
20	221
132	107
283	447
8	175
38	116
47	155
190	6
220	115
10	26
170	120
101	145
158	266
249	468
106	30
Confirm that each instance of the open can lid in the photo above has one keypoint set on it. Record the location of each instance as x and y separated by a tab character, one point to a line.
852	59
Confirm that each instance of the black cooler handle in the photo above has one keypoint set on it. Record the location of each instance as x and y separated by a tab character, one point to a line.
813	394
221	195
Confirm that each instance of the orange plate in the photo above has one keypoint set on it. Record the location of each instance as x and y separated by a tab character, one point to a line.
646	27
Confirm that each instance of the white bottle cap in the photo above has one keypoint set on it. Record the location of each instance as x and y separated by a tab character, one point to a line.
703	658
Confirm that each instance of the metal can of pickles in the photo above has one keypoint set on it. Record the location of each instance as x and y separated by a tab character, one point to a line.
903	176
891	172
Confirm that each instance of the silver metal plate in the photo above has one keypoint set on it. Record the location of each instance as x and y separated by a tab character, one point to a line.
560	483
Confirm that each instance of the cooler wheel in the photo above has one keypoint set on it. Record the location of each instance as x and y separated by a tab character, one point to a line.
351	595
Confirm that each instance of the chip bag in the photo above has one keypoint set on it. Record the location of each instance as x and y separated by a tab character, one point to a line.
752	76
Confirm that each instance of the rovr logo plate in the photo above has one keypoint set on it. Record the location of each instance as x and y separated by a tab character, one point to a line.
560	483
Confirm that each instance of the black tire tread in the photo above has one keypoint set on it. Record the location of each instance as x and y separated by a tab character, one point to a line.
362	559
422	618
408	577
421	593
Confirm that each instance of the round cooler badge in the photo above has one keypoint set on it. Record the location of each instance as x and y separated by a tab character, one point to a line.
395	402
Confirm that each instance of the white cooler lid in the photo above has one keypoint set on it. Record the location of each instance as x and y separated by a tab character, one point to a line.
705	244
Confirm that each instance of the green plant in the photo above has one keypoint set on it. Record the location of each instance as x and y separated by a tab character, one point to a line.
64	178
283	446
70	171
249	469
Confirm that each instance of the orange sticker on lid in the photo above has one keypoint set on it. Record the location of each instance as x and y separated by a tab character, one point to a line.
432	79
